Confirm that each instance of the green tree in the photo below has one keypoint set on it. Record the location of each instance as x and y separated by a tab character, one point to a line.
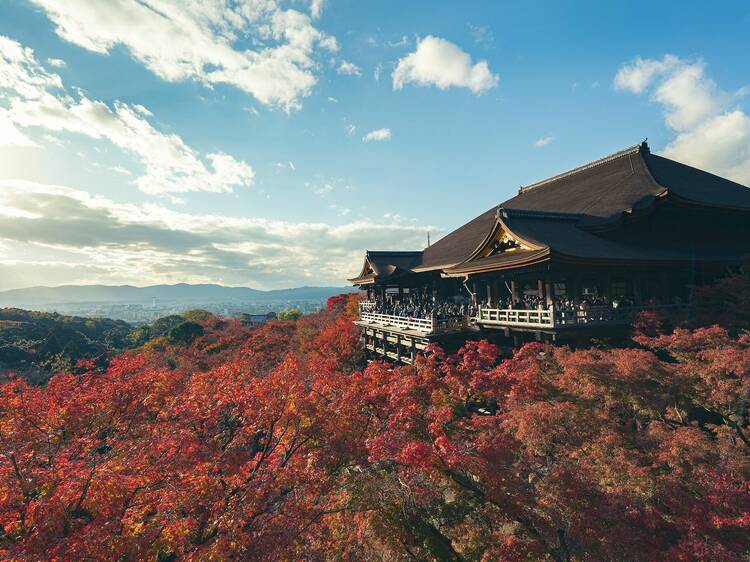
291	314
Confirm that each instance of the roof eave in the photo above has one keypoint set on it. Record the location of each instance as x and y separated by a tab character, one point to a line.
468	268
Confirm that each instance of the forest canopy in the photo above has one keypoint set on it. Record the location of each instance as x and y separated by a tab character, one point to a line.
275	442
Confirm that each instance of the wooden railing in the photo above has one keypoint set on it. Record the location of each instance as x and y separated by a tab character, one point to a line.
551	317
424	325
542	318
545	318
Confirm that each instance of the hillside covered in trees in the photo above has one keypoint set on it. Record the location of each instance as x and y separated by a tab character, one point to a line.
36	345
275	442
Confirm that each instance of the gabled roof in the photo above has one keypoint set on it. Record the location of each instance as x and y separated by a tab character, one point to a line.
453	248
600	189
561	213
380	266
696	186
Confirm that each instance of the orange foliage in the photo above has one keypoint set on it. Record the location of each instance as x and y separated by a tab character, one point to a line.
277	443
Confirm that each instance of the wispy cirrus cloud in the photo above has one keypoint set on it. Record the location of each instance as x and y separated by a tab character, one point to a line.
36	99
711	129
543	141
205	41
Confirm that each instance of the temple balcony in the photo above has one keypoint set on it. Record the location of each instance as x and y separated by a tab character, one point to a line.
548	318
421	326
552	318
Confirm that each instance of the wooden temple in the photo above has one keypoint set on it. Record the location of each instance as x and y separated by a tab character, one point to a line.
568	258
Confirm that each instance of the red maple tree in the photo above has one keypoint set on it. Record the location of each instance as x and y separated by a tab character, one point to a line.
274	443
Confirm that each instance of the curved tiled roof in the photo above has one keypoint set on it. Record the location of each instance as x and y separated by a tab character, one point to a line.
385	265
591	196
697	186
455	247
599	190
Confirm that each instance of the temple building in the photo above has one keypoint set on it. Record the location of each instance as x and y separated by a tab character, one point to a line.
568	258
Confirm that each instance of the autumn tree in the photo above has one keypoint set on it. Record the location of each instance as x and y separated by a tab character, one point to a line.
277	442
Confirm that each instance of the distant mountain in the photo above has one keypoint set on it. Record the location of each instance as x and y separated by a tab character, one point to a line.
181	292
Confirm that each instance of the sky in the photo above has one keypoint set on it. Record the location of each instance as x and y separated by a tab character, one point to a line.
269	143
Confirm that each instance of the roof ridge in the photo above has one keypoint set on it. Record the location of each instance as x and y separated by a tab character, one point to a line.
506	212
630	150
393	251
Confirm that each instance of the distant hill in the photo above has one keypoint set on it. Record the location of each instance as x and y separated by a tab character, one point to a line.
181	292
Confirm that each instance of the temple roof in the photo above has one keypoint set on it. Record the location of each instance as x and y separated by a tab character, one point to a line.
459	244
381	266
600	189
562	213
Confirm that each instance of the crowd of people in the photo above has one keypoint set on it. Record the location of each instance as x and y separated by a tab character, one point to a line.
427	307
424	307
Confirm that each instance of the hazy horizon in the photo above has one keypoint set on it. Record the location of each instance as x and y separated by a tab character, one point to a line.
136	286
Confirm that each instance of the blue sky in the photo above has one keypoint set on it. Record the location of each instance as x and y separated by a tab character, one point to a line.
268	143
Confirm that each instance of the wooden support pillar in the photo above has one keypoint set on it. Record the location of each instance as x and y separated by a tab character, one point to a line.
513	292
666	296
607	289
489	293
474	293
637	297
548	292
398	348
413	350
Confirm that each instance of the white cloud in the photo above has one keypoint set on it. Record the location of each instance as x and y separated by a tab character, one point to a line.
57	63
121	170
377	135
709	132
332	99
544	141
323	190
343	211
37	99
316	8
283	166
52	139
438	62
9	133
482	35
720	144
193	40
638	75
377	71
402	42
348	69
109	242
351	129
